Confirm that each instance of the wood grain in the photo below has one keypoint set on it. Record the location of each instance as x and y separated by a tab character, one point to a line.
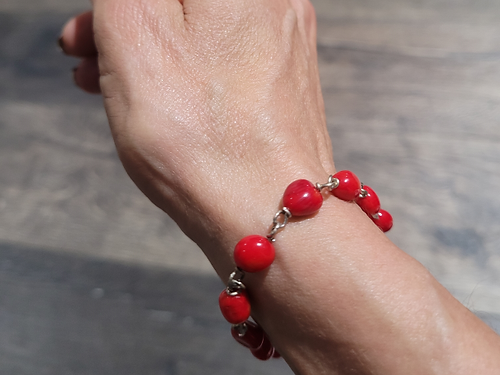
412	92
412	96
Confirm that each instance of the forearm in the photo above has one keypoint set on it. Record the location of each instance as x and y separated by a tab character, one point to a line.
340	295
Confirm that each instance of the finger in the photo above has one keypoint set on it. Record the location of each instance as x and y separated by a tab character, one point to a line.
86	75
77	38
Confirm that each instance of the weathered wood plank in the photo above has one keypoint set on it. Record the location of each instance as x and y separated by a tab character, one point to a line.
413	105
412	98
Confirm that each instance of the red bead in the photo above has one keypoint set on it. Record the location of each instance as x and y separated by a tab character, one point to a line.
384	221
370	202
254	253
252	338
265	351
349	186
236	309
302	198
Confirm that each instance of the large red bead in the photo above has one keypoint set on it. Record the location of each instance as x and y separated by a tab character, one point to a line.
349	186
254	253
253	337
302	198
370	202
384	221
265	351
236	309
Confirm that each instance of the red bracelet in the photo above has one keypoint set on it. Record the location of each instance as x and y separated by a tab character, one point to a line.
256	253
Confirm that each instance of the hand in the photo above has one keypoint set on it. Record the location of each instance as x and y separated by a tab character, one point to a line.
215	106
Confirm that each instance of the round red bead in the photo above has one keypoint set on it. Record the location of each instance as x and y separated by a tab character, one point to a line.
254	253
302	198
384	220
349	186
265	351
252	338
235	308
370	202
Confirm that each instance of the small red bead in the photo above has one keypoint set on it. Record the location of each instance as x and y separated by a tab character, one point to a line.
302	198
236	309
265	351
349	186
253	337
370	202
254	253
384	221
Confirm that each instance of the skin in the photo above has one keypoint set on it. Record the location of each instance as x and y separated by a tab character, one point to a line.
215	107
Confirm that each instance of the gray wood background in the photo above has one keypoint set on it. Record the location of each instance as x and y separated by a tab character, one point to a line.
95	280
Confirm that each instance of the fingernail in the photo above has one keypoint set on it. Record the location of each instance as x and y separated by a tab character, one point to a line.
60	43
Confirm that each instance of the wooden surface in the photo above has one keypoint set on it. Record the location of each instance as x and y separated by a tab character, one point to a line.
95	280
412	95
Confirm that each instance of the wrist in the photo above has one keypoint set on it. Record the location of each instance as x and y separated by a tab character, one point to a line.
217	212
290	284
336	286
340	295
